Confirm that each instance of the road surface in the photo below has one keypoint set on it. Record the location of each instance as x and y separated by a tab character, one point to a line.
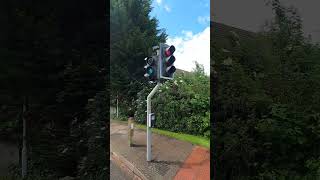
116	173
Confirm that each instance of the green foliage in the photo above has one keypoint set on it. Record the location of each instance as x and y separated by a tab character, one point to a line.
132	35
266	119
93	159
198	140
46	58
181	105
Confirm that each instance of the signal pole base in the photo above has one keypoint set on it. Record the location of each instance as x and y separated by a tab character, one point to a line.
149	134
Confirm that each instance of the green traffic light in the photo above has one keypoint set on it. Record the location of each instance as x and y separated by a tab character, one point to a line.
149	72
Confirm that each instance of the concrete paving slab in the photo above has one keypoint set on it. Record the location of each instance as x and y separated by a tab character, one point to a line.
169	155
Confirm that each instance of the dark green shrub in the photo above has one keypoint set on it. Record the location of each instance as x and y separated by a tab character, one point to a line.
181	105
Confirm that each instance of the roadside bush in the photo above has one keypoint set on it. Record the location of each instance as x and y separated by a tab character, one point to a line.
181	105
265	105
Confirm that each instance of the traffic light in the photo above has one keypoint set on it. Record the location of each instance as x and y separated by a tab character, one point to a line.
151	68
167	60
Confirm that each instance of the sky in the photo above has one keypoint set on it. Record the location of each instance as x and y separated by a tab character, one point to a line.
252	14
187	23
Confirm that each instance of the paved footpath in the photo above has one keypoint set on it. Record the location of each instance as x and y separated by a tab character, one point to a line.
171	158
116	173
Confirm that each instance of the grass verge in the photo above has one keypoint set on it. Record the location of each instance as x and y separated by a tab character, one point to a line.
197	140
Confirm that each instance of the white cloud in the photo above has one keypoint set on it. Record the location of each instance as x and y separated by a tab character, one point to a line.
159	2
167	8
187	34
192	47
203	20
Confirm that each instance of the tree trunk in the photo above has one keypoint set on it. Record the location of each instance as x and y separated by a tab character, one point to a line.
24	153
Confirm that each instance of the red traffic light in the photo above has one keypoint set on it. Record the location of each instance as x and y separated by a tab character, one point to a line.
169	51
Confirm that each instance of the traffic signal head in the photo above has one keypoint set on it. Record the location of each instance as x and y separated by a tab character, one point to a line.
151	68
167	59
169	51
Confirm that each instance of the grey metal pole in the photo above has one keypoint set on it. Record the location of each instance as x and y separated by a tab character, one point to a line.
117	107
148	125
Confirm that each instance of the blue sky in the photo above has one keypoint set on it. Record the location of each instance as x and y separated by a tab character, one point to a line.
178	15
187	23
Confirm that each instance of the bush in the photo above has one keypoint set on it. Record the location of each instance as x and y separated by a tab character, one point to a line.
181	105
266	104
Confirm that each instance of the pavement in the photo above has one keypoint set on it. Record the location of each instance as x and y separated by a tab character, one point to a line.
171	158
197	165
116	173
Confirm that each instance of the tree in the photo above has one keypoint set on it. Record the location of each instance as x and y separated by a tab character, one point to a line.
46	59
265	119
133	34
181	105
